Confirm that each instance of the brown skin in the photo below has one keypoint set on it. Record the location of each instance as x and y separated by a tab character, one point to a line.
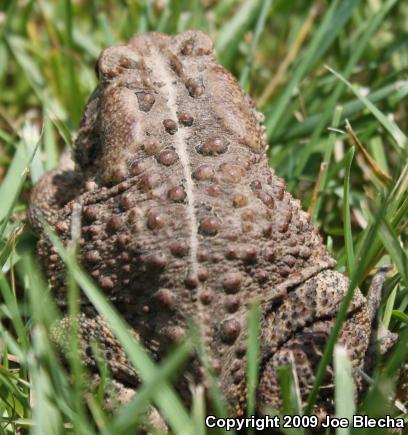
182	218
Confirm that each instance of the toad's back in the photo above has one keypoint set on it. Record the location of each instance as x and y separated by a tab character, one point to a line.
181	215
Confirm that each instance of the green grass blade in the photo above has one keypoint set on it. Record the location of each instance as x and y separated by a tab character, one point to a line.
128	415
47	419
326	162
199	410
230	34
326	32
12	184
351	108
357	51
73	96
266	6
388	310
400	315
37	82
290	394
344	387
14	313
253	357
393	246
387	123
348	237
14	180
342	312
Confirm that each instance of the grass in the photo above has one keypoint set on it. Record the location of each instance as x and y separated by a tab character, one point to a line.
331	78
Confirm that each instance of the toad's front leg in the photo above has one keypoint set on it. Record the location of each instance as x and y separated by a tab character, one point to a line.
98	346
95	340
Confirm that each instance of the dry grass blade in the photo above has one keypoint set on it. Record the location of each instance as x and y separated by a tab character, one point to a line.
381	175
292	53
317	188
